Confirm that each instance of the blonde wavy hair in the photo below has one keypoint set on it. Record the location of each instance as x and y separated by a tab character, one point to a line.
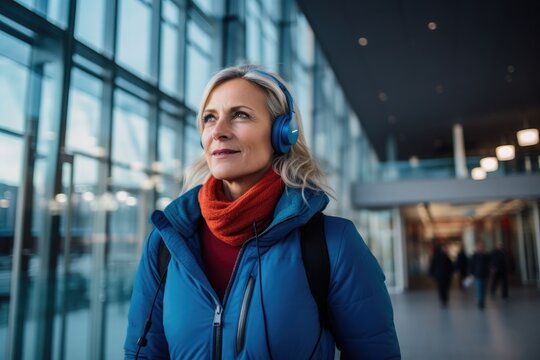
297	168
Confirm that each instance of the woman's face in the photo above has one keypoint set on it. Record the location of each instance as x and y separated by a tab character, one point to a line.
236	135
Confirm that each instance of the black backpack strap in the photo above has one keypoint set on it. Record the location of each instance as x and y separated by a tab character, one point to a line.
317	263
164	256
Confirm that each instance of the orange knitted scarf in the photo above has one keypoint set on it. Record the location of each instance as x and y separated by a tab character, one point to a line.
232	221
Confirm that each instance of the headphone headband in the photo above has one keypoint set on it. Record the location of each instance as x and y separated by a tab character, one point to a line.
284	128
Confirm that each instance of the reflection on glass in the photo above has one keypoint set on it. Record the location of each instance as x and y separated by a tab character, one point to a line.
50	104
198	63
127	232
170	146
10	158
130	130
192	145
84	114
90	22
207	6
133	36
169	79
75	279
197	75
13	82
262	37
53	10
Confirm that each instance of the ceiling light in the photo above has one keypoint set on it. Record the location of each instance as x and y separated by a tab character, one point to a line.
432	25
362	41
489	164
439	89
505	152
527	137
511	68
382	96
478	173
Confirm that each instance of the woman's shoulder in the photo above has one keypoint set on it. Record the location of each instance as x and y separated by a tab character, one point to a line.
343	238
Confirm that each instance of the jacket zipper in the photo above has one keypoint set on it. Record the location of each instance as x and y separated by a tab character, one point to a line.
217	324
217	332
240	335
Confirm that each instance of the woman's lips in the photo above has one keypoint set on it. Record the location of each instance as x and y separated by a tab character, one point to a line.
221	153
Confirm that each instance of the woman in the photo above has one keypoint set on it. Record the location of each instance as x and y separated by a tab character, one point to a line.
242	225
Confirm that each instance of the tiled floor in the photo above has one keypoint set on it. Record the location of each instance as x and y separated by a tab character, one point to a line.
505	329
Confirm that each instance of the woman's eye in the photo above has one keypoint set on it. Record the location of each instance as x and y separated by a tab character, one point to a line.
241	115
208	118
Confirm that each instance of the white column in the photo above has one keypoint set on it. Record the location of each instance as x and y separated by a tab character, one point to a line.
468	239
459	152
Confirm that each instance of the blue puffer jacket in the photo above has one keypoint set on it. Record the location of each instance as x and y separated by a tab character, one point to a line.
190	322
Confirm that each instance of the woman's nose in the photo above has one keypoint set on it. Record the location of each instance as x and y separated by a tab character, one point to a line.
221	129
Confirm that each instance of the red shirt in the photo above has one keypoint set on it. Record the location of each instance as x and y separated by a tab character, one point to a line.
219	259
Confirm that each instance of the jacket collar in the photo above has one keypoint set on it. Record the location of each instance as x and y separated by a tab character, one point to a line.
291	211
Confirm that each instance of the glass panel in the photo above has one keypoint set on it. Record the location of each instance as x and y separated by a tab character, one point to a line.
192	145
198	73
198	37
76	265
90	22
378	235
53	10
134	35
84	114
10	158
270	46
128	228
130	130
253	32
170	146
207	6
13	82
305	43
169	79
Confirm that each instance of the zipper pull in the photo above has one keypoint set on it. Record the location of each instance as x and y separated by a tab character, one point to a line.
217	316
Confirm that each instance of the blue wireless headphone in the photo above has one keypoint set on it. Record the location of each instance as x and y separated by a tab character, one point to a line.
284	128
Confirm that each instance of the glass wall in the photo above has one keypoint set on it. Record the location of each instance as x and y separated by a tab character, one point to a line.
97	127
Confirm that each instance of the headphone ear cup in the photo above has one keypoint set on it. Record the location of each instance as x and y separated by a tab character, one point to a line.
284	134
277	131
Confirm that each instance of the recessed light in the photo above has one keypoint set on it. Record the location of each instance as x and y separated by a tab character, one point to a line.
362	41
489	164
382	96
508	78
478	173
439	89
432	25
527	137
505	152
511	68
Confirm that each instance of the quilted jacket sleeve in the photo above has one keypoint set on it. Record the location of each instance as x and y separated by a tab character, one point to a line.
144	289
359	305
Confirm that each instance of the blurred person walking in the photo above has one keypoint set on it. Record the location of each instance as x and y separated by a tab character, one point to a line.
480	266
441	270
499	268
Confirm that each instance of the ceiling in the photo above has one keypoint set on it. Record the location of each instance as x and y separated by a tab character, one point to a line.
479	67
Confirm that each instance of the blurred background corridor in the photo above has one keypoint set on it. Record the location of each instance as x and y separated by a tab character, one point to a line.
424	115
